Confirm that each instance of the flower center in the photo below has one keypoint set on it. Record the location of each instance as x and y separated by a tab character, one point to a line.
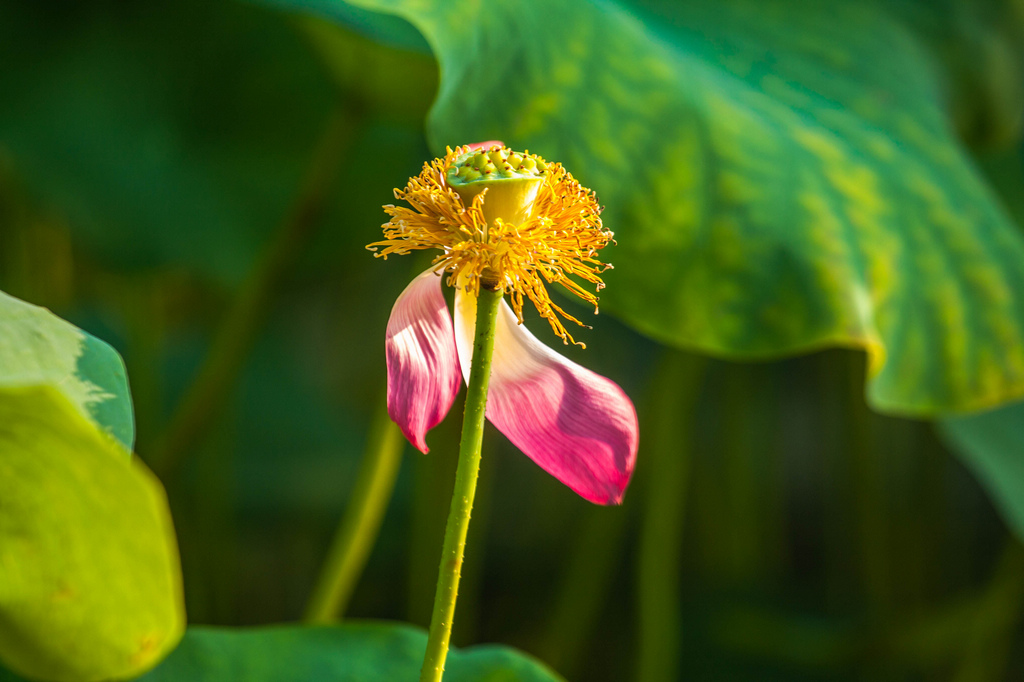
503	220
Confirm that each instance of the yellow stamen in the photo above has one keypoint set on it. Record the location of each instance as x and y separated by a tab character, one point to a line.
504	220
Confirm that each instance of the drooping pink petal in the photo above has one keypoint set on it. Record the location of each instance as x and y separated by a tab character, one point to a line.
423	366
577	425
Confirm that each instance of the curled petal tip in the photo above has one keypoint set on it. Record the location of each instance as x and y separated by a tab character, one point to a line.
576	424
486	144
423	366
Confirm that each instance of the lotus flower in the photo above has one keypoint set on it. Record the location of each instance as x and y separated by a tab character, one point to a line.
509	222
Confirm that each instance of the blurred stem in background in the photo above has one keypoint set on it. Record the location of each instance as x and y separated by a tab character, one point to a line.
465	488
752	480
667	463
870	501
587	580
360	525
146	317
201	404
969	631
368	502
991	632
584	587
209	526
967	634
37	259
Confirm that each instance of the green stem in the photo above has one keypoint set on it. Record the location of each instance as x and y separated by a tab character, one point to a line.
433	480
471	584
358	529
465	488
668	466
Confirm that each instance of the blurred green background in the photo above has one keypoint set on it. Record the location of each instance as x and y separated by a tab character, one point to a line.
195	182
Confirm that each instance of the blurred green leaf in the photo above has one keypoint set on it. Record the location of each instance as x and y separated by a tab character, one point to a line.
388	83
781	176
1005	172
354	652
981	46
386	29
991	444
90	584
38	348
164	132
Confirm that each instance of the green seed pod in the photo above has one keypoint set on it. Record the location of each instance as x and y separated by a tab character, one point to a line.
511	179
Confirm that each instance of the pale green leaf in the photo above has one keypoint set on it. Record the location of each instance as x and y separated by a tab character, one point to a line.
90	585
37	348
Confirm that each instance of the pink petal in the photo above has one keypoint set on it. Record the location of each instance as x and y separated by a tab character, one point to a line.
486	145
577	425
423	367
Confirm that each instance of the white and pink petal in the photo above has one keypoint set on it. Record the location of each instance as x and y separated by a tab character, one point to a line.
576	424
423	366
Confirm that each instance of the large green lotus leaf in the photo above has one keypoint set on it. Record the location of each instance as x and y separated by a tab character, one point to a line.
991	444
356	652
39	348
90	584
781	176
